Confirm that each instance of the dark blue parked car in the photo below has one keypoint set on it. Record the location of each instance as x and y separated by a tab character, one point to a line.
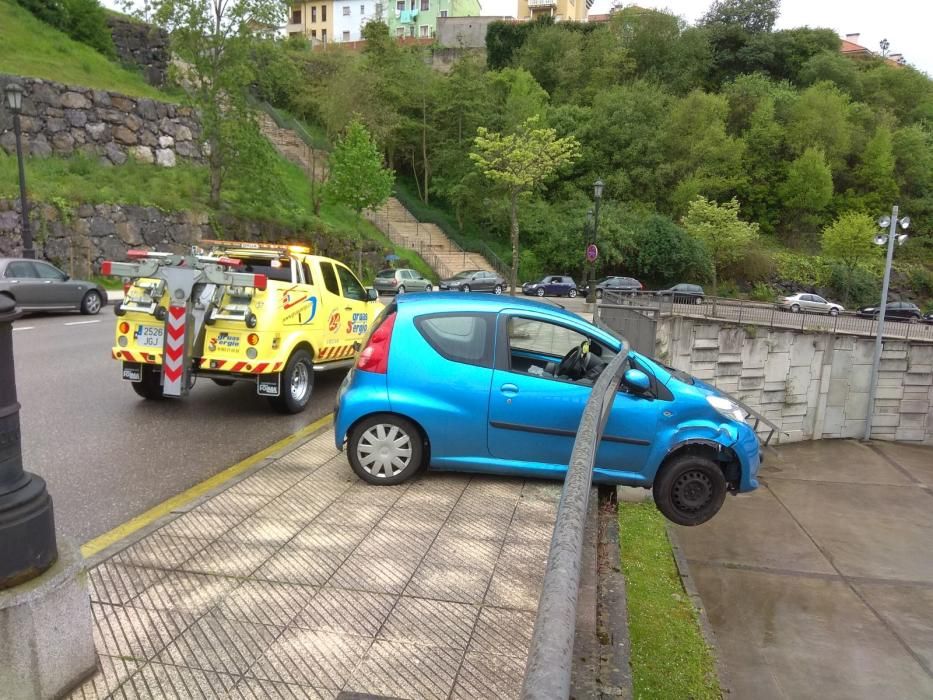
552	286
498	385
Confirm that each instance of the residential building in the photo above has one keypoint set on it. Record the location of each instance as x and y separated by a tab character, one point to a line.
418	18
851	48
560	10
313	19
350	16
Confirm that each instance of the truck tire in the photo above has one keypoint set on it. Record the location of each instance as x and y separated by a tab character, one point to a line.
150	387
297	384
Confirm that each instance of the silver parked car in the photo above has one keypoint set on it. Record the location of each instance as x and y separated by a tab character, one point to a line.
36	285
812	303
400	281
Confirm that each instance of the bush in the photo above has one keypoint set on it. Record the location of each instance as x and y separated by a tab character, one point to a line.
809	270
854	285
762	292
82	20
755	266
920	280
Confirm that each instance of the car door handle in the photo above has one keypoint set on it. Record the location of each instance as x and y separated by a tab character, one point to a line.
509	389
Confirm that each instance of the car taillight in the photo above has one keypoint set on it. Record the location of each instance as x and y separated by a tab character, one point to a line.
124	327
375	356
394	282
252	339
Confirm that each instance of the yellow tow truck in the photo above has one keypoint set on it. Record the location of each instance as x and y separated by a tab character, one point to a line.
238	311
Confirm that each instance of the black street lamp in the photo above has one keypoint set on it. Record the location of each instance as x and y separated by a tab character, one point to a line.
27	523
14	101
597	196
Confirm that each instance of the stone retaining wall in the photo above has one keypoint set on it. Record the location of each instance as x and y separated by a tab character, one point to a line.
813	385
64	119
142	45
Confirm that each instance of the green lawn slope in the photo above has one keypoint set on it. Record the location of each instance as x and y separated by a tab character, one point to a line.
30	47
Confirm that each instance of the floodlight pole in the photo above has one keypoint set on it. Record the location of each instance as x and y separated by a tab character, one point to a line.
876	359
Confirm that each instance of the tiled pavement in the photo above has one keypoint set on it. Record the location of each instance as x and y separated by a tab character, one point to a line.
303	581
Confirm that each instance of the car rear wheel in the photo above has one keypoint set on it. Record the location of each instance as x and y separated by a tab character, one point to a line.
427	287
497	289
540	292
401	289
599	293
150	387
297	384
690	489
834	311
91	303
795	308
572	293
385	449
698	300
223	382
465	288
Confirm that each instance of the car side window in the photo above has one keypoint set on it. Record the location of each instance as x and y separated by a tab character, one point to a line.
307	270
330	278
20	270
542	338
460	337
48	272
352	289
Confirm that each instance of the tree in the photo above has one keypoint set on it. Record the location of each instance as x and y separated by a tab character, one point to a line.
357	178
519	163
718	228
751	15
850	241
808	189
214	39
875	174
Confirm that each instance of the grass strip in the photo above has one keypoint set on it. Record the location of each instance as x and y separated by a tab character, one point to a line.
669	656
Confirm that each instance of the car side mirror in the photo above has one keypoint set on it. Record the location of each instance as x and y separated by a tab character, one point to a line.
636	380
372	294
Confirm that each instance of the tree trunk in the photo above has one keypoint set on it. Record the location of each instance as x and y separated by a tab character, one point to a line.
514	221
215	166
424	145
414	173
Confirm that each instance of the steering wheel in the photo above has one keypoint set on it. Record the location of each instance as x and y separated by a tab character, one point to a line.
574	363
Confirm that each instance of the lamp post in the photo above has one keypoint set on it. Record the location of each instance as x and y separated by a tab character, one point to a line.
597	197
888	238
14	101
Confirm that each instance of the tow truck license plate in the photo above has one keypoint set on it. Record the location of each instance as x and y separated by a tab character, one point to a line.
132	371
268	386
149	336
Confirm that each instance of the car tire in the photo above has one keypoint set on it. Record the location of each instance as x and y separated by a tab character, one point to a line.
497	289
91	303
297	384
223	382
572	293
834	311
401	289
150	387
392	438
914	319
427	288
698	300
795	308
540	292
465	288
690	489
599	293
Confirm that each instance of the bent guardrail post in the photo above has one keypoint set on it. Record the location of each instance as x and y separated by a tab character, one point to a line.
550	657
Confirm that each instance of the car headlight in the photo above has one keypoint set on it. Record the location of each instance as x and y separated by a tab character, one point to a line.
725	407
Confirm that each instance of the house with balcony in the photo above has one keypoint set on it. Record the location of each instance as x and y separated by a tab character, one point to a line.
418	18
560	10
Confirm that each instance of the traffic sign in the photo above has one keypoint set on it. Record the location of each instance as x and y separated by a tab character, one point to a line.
592	252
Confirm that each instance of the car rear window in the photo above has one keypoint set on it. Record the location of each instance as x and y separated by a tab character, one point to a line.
460	337
386	274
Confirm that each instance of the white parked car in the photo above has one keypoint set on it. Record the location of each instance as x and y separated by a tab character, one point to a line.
812	303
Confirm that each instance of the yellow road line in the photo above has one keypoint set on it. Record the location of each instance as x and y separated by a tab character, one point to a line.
120	532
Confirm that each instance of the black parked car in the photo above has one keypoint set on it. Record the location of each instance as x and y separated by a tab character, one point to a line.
895	311
928	318
683	293
474	281
552	285
625	285
36	285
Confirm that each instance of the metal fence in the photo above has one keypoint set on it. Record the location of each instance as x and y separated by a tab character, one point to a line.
771	316
550	658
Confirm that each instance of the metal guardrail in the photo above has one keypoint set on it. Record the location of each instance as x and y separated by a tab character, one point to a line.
550	658
772	316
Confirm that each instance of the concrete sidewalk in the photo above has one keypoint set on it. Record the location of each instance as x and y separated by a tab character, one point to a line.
820	584
300	580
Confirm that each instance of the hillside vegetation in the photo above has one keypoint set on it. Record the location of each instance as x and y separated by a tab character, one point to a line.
665	113
31	47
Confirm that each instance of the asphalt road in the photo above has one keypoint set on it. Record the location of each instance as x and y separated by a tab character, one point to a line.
108	455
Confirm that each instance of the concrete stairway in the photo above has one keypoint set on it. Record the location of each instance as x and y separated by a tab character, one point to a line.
292	147
444	256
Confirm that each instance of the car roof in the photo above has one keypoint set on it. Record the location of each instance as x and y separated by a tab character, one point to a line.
455	301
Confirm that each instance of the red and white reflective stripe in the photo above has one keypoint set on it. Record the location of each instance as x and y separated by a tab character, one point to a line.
128	356
173	362
337	352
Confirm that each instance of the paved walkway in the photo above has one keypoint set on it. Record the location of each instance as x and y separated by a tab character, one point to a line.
820	584
300	580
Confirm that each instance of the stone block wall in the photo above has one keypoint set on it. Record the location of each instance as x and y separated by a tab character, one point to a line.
812	385
64	119
142	45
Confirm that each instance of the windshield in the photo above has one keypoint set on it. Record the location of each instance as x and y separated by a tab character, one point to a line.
465	273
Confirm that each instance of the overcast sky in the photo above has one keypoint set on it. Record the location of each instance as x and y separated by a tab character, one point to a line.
906	24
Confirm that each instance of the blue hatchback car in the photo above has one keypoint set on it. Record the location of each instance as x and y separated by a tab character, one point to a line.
498	385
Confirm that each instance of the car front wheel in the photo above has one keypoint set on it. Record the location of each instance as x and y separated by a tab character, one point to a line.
834	312
427	287
91	303
795	308
466	288
385	449
690	489
401	289
540	292
497	289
